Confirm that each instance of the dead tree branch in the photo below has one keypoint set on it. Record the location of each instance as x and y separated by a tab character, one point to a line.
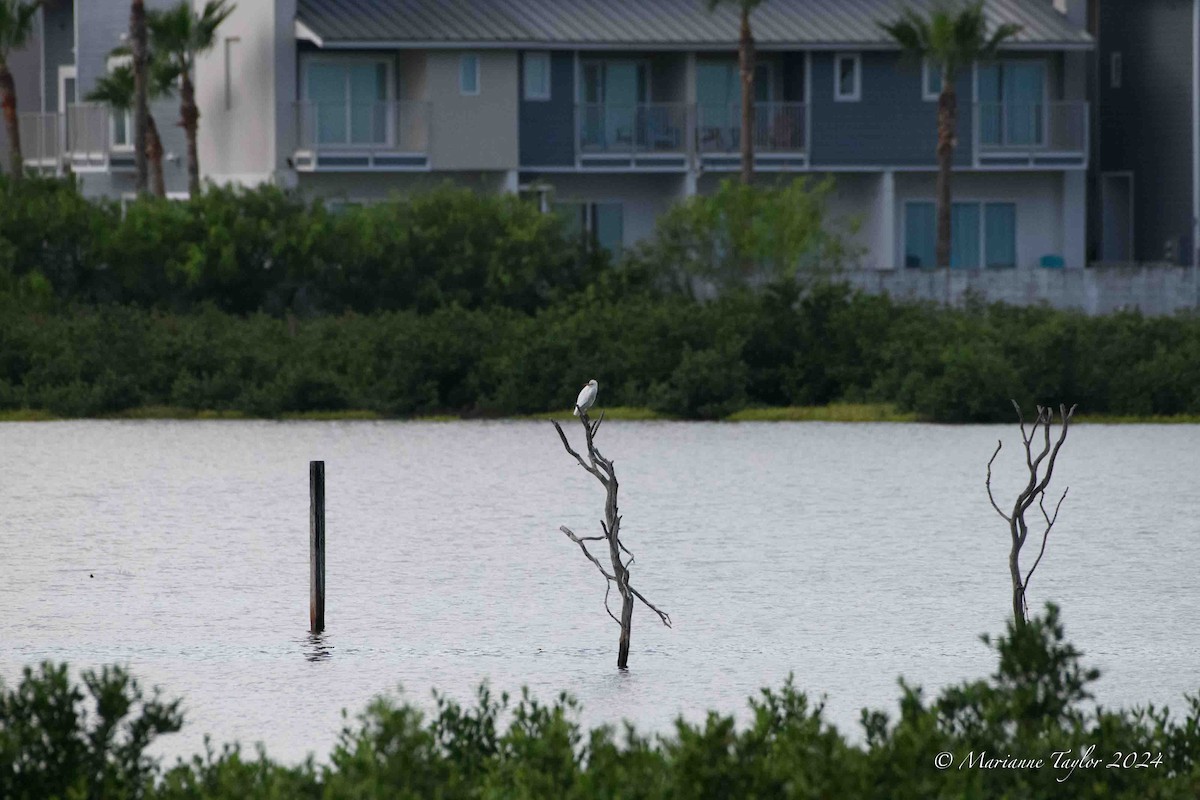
603	470
1041	470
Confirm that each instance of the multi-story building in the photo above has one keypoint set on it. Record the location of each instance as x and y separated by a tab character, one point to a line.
612	111
1146	204
60	129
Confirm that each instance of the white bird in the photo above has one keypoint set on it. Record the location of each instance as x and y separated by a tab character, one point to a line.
587	396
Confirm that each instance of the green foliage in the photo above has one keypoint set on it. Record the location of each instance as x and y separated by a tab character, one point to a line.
58	739
953	35
16	24
269	250
748	235
1036	704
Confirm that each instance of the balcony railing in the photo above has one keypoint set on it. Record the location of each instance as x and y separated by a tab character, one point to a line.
386	127
81	139
632	129
778	128
1059	128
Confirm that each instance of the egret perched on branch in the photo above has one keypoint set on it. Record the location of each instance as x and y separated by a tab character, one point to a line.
587	396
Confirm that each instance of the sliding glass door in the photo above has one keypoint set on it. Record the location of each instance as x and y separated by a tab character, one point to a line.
1012	103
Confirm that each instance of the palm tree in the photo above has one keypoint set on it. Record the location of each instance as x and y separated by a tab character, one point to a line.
16	23
141	109
117	91
953	36
179	35
746	69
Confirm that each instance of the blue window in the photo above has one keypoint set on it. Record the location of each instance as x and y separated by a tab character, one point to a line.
468	74
1012	103
920	230
600	225
964	236
980	233
1000	234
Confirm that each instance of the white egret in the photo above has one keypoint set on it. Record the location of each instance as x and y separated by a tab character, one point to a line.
587	396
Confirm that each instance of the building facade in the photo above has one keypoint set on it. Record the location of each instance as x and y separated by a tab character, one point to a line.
609	113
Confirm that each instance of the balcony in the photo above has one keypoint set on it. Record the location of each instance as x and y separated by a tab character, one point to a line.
84	139
780	135
391	136
640	135
1045	135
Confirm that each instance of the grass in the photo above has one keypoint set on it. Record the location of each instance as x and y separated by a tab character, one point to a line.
834	412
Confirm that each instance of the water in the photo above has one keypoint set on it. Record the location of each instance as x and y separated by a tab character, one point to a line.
845	554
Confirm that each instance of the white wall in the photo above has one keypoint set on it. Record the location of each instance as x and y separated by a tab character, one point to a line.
237	87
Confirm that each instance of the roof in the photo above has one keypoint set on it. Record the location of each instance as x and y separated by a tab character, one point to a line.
649	24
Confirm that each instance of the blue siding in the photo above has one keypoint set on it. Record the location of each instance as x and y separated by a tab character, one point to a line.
59	41
548	126
891	125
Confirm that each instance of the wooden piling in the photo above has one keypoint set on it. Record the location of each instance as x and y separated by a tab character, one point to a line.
316	546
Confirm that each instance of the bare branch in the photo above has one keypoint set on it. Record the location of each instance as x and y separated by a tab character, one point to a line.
607	587
664	616
988	482
571	535
590	468
1045	536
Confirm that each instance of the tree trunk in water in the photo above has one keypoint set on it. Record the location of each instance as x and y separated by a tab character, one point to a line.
8	99
626	629
1014	568
138	46
191	122
746	66
154	156
947	139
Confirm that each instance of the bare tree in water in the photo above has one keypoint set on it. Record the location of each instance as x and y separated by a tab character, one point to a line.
602	469
1041	469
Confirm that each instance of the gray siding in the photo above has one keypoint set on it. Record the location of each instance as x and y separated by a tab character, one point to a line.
59	37
547	127
1146	124
890	125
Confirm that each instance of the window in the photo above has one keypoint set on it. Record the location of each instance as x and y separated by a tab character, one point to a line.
980	233
847	77
537	76
468	74
347	102
931	80
614	93
1114	70
1012	103
600	225
122	128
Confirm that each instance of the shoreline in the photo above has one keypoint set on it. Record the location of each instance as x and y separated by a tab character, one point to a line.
836	412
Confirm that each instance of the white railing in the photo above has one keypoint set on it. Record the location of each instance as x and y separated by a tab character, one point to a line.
629	129
778	128
387	126
41	139
1060	127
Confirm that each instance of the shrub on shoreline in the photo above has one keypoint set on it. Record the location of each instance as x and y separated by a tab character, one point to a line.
1021	732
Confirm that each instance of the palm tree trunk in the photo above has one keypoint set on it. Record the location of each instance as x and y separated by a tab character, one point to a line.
154	156
191	122
141	113
8	99
947	139
746	66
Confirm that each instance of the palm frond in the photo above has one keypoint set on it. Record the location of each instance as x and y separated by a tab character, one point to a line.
16	23
115	89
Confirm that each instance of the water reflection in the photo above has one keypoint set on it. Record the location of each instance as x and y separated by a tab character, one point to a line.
317	647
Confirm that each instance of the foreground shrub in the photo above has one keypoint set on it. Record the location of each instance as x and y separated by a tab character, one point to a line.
1036	706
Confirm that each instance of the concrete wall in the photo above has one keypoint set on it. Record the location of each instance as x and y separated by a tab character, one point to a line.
1155	291
473	132
236	89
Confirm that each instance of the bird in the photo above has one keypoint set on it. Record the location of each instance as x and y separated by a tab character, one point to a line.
587	396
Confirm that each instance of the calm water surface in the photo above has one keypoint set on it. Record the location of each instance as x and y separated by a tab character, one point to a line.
846	554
